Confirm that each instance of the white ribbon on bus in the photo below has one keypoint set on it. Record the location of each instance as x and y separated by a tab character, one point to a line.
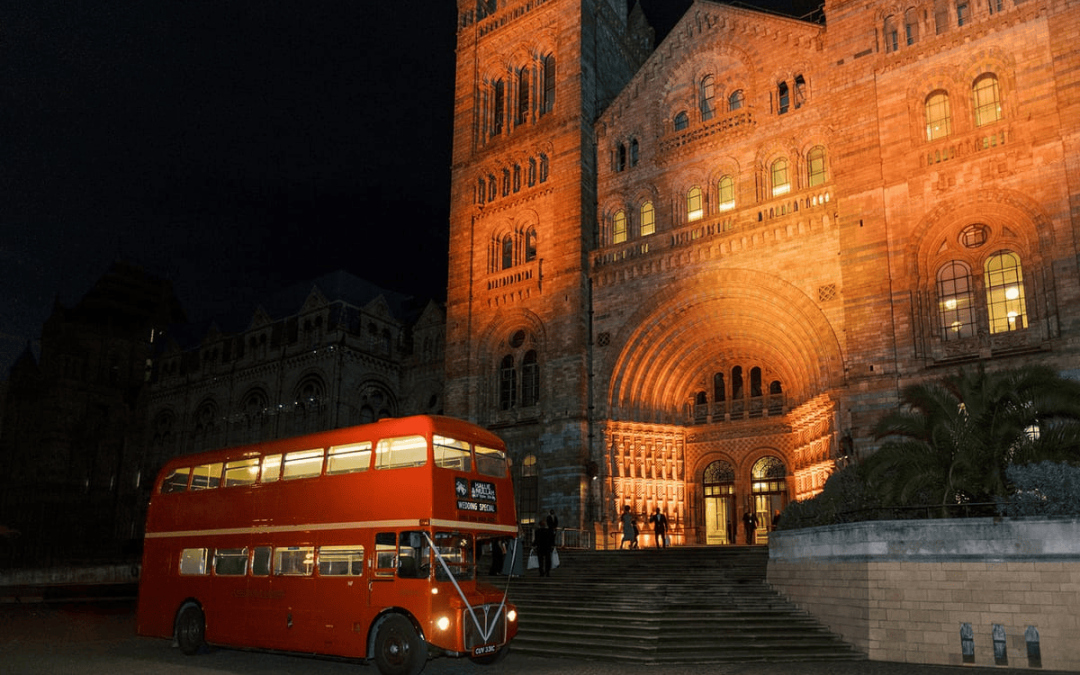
485	632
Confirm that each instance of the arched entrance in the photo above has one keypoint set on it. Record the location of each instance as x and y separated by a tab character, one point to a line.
769	486
719	491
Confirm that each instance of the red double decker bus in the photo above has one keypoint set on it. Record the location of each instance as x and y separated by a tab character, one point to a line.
358	542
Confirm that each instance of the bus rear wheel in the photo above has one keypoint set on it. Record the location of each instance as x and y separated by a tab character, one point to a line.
191	629
398	649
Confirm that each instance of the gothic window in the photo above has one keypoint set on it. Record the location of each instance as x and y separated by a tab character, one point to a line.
1005	292
481	191
736	382
995	6
783	97
543	168
725	191
708	93
938	116
815	166
532	172
955	301
523	97
517	177
719	395
507	252
633	152
755	381
485	8
987	100
800	90
974	236
620	158
963	13
776	398
507	383
701	407
505	182
491	188
618	228
682	120
695	206
530	379
530	244
736	100
781	181
498	107
547	102
892	35
648	219
911	26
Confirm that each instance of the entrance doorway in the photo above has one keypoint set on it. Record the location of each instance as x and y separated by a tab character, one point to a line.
769	487
719	489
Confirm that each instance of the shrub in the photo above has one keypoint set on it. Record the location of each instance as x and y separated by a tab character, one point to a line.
1043	489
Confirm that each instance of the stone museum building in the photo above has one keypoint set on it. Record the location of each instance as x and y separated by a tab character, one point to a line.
689	276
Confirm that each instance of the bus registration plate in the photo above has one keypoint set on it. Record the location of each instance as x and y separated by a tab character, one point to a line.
485	650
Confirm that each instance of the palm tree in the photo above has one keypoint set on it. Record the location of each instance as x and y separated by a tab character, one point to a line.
952	440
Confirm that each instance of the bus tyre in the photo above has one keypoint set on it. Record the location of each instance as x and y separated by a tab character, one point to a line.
191	629
398	649
491	659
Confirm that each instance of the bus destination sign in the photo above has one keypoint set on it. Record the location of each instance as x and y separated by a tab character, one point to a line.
475	495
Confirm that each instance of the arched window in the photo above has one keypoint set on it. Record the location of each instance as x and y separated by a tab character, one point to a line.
891	34
507	252
618	228
682	120
911	26
498	107
532	172
781	182
634	152
986	100
530	379
530	245
708	93
938	116
815	166
725	191
695	204
507	383
648	219
517	177
1005	292
783	97
481	191
955	301
523	97
547	101
755	381
736	382
505	182
492	188
543	168
620	158
736	100
701	407
719	395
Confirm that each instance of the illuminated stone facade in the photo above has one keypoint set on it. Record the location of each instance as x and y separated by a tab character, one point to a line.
736	248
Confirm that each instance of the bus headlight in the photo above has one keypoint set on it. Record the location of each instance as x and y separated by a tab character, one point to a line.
442	623
511	615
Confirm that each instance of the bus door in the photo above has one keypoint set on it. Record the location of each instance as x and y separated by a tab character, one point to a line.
261	599
401	567
226	607
341	599
291	619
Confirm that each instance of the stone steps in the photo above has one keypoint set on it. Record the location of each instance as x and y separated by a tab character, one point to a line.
679	605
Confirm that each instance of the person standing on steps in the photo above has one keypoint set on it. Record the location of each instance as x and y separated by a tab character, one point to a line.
660	526
553	524
750	522
629	528
544	541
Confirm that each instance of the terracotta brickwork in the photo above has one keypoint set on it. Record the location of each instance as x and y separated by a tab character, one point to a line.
771	227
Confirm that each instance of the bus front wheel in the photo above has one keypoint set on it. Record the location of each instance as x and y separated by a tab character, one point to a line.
398	649
191	629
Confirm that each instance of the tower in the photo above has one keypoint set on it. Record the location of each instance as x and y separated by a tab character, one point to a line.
532	76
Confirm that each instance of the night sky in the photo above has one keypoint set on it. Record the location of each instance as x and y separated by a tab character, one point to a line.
231	147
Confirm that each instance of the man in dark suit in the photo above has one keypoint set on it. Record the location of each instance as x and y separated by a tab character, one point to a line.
544	541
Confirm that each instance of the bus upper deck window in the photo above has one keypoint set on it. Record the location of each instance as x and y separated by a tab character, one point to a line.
490	461
241	472
303	464
348	458
404	451
452	454
176	481
271	469
206	477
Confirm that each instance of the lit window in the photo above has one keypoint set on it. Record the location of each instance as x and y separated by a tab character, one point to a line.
815	166
648	219
725	189
303	464
451	453
707	95
938	116
695	207
736	100
348	458
781	183
241	472
403	451
987	100
618	229
955	301
1005	292
682	120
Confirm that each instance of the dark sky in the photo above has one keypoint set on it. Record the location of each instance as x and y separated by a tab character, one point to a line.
234	147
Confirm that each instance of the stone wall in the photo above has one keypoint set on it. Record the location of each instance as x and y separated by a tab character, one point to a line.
945	592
